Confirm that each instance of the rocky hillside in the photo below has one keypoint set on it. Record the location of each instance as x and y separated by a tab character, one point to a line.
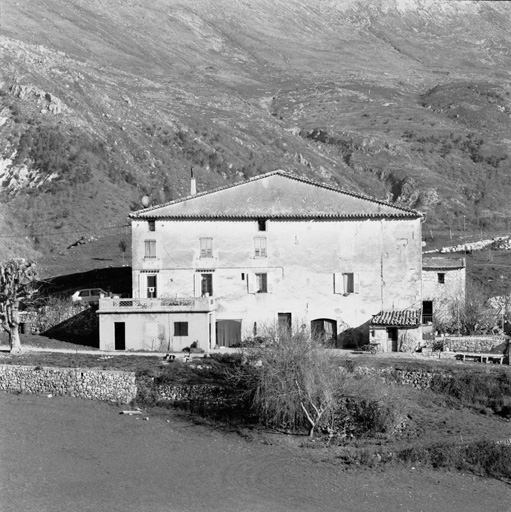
104	101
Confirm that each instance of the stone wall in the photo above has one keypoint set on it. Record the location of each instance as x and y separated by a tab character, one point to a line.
419	379
109	386
474	343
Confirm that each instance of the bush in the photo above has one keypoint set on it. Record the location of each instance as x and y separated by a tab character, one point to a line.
485	458
491	391
292	382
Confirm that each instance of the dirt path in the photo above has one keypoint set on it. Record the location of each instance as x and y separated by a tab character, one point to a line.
63	454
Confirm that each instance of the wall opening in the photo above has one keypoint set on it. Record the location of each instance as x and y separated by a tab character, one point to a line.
120	335
228	333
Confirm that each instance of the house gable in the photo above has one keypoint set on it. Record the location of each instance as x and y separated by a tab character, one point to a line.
275	195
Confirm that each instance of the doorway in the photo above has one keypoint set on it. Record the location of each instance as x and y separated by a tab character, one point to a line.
151	287
284	323
120	335
427	312
228	333
392	337
324	329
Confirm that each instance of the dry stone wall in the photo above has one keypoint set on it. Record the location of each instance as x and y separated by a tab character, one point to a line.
418	379
105	385
475	343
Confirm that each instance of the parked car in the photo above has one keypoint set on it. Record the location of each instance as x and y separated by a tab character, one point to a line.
91	295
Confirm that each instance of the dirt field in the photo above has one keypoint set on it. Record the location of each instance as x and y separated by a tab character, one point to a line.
62	454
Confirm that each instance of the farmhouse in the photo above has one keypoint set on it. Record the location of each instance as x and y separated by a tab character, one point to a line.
278	250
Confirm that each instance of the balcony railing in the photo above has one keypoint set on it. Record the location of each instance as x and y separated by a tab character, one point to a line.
160	304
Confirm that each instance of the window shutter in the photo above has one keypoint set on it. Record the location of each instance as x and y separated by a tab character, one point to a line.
346	283
251	280
269	282
140	294
197	285
356	283
338	283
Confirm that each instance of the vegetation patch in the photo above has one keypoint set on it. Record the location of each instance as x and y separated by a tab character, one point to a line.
484	458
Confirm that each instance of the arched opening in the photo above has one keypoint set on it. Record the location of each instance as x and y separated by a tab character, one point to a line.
324	329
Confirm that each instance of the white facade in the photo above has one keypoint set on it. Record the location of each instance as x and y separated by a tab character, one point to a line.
443	289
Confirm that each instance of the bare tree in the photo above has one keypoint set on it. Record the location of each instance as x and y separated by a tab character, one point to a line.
17	280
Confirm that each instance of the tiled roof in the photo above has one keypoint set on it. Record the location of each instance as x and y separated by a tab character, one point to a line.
442	262
398	317
276	194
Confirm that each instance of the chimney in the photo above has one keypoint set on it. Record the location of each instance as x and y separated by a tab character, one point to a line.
193	184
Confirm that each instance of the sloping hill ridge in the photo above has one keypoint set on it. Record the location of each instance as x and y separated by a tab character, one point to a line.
103	101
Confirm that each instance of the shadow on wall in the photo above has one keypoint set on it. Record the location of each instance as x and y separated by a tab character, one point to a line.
80	329
354	337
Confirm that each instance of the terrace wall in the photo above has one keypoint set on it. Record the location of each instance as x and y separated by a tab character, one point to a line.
105	385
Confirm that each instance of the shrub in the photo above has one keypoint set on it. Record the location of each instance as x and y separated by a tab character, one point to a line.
483	457
292	382
482	390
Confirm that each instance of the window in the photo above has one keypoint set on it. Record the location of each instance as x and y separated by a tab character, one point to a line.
151	287
261	224
180	328
203	284
441	278
346	283
206	247
260	246
261	283
207	284
150	249
152	225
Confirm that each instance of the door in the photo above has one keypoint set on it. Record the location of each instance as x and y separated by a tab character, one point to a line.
151	287
324	329
392	336
427	312
228	333
120	335
207	285
284	323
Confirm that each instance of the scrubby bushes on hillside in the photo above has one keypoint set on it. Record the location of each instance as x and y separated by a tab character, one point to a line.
59	156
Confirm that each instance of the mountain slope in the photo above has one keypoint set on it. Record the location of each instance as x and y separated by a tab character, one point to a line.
104	101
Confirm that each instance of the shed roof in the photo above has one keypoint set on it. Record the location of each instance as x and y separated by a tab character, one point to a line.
398	318
442	263
276	194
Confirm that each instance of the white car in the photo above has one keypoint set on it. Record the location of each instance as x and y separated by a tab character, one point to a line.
90	295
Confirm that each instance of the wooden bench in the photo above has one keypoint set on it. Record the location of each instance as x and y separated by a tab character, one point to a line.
481	357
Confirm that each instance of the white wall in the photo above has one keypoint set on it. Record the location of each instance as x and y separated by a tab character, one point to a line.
302	259
155	331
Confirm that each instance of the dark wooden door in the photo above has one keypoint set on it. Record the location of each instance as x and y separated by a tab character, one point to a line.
120	335
392	335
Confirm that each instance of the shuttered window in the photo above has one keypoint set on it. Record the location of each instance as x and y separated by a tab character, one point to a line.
150	249
260	247
347	282
262	282
206	247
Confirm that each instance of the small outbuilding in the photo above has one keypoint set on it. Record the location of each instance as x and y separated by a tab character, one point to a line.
397	330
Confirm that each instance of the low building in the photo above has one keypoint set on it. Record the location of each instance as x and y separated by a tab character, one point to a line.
443	291
397	330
